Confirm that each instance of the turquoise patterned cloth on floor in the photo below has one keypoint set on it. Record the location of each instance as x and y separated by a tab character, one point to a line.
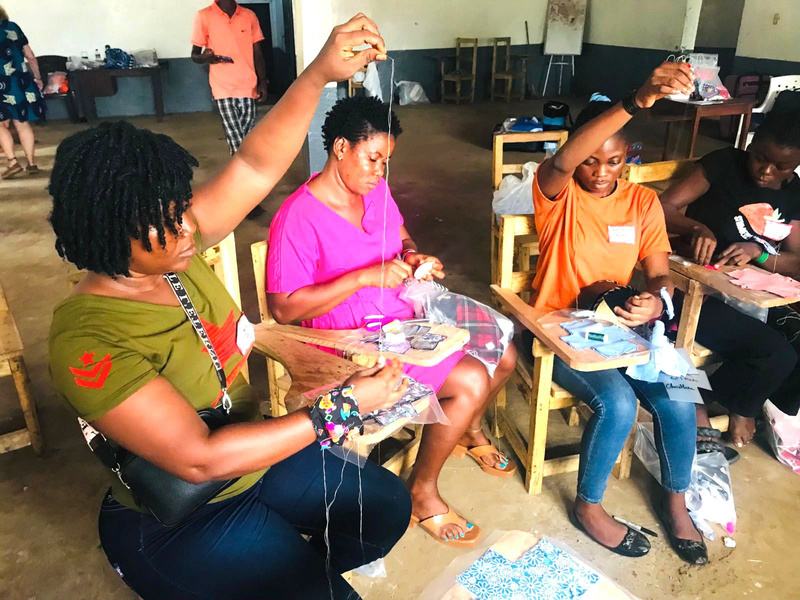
544	572
20	98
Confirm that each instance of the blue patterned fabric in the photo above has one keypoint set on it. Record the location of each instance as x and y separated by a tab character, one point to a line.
543	573
20	98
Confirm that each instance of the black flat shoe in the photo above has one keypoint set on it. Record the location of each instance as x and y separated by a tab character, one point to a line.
633	545
692	552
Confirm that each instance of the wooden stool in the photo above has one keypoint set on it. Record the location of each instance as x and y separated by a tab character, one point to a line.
12	363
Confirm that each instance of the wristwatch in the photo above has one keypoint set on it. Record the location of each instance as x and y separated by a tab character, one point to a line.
629	103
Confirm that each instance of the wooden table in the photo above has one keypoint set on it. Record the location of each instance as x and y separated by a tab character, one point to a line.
89	84
699	281
670	111
348	341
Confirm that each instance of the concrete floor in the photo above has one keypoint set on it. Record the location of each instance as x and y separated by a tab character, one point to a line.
441	180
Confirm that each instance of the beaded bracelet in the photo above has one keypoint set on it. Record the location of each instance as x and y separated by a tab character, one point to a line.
335	417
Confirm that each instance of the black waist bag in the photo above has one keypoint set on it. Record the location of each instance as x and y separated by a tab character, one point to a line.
167	497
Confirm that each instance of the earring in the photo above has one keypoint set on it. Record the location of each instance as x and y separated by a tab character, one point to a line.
341	156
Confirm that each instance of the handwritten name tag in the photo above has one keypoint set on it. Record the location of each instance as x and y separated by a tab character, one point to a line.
622	234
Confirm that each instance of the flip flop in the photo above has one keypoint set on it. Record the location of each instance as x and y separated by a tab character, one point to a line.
433	524
505	469
706	446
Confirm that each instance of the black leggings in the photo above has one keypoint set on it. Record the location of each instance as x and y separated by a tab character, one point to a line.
251	546
759	363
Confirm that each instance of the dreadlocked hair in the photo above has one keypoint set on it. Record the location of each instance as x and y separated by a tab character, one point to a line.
112	183
783	128
356	119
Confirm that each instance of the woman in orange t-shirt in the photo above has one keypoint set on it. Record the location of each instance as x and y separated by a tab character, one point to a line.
593	228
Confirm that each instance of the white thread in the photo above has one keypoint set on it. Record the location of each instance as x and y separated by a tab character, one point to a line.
386	198
326	536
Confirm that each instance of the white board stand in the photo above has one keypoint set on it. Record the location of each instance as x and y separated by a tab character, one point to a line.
566	60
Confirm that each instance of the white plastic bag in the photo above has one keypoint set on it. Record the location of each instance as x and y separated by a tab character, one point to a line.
410	92
710	494
783	433
515	195
146	58
372	82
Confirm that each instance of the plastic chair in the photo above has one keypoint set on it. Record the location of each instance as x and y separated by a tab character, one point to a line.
50	64
776	86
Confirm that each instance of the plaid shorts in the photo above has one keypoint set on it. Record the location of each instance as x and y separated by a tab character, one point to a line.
238	118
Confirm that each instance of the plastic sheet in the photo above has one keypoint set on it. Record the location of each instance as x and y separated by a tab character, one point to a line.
710	494
357	451
515	195
411	92
783	434
490	332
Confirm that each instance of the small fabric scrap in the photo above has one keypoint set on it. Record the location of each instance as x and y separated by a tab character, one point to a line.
775	283
617	349
543	572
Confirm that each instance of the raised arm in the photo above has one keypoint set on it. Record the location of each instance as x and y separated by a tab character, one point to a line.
158	424
268	151
554	174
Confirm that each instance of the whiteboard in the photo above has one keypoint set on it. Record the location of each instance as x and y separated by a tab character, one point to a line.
565	22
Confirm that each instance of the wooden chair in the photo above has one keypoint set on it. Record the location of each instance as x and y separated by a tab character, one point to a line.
12	364
501	68
353	85
281	382
466	64
527	243
535	381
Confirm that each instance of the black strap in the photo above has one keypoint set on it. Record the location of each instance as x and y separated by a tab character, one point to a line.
102	447
186	302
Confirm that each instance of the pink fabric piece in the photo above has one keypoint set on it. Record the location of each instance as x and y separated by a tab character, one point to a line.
310	244
775	283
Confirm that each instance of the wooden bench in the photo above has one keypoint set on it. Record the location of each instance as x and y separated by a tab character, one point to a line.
12	363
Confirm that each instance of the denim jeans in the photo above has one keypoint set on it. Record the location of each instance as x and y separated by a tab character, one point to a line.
612	397
250	546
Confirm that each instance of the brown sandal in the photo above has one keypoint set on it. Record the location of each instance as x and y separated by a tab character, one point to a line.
32	169
12	170
506	468
433	525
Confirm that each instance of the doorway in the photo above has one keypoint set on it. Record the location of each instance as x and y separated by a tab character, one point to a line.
278	44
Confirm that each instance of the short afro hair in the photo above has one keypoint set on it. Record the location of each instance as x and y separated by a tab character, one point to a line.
594	109
782	128
112	183
356	119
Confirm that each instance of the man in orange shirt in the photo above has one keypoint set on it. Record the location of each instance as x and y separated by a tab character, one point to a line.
228	38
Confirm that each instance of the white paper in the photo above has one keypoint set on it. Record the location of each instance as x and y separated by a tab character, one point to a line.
622	234
245	335
686	389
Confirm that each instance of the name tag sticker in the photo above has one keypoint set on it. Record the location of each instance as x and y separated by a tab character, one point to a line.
245	335
622	234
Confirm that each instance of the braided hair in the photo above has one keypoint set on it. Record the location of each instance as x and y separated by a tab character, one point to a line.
356	119
112	183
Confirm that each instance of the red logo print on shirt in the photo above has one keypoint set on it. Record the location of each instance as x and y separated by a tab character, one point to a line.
94	377
222	338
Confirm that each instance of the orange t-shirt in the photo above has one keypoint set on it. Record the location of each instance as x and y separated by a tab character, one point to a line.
233	37
584	239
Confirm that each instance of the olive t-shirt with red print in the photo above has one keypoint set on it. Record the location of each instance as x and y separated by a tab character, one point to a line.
103	349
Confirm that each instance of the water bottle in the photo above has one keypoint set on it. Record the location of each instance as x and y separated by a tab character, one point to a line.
97	56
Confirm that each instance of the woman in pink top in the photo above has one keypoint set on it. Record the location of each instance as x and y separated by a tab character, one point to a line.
327	243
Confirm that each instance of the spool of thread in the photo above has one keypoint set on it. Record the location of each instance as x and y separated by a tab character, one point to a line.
374	322
423	270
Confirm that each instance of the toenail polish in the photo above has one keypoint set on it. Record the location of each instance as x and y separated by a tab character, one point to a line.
470	525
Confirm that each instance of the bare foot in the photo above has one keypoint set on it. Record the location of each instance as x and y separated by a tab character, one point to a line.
427	503
472	438
741	429
599	524
681	522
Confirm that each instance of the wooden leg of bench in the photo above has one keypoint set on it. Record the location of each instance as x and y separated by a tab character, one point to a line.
499	405
690	315
540	411
571	416
622	470
23	384
276	406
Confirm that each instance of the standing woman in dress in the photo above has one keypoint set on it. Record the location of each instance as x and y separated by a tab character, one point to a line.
21	98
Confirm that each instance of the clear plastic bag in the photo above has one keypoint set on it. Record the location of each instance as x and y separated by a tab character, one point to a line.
515	195
783	434
402	413
146	58
410	92
372	82
710	494
490	332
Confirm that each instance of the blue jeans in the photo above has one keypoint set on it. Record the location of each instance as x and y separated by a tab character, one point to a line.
250	546
612	397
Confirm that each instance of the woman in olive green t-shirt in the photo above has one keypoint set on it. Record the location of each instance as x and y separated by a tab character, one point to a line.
124	356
